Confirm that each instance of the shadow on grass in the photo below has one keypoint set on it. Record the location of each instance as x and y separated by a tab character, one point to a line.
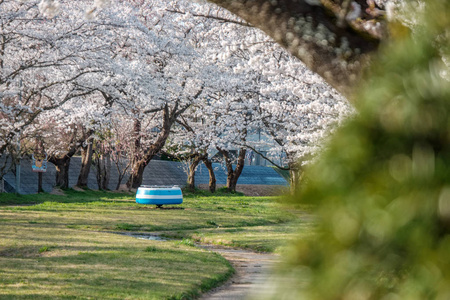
114	272
221	192
70	196
89	196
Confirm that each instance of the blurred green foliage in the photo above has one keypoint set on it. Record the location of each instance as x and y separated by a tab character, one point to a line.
382	188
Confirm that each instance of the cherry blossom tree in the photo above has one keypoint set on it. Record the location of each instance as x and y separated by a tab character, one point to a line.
53	58
150	141
333	38
42	61
214	125
181	74
295	121
194	139
63	131
257	68
235	129
170	37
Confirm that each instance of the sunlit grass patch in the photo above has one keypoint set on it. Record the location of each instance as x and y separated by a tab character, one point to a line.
269	238
77	263
68	247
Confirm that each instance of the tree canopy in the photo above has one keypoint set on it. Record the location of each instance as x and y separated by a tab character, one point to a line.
333	38
151	67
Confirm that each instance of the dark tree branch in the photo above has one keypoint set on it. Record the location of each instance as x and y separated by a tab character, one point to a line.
224	20
315	34
264	156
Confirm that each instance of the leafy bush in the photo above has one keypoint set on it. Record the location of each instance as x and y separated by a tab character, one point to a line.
382	188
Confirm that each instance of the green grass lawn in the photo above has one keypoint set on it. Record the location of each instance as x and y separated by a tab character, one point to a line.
67	247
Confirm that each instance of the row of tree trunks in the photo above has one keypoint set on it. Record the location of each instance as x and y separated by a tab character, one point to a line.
140	161
197	159
103	165
62	162
101	161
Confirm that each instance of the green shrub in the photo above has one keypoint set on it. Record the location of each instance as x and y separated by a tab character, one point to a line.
382	188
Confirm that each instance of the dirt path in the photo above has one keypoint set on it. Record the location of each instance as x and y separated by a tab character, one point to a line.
252	273
252	278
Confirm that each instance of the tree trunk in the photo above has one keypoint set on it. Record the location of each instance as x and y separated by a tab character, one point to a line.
231	182
118	183
293	180
40	190
142	159
119	180
86	162
107	171
212	176
233	175
136	175
191	172
295	176
103	171
62	171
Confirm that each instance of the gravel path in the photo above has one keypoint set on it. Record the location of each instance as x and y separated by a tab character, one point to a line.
251	278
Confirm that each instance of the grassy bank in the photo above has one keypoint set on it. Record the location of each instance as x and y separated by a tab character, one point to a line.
66	246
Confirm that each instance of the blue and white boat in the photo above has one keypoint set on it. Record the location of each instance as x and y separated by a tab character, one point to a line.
159	195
